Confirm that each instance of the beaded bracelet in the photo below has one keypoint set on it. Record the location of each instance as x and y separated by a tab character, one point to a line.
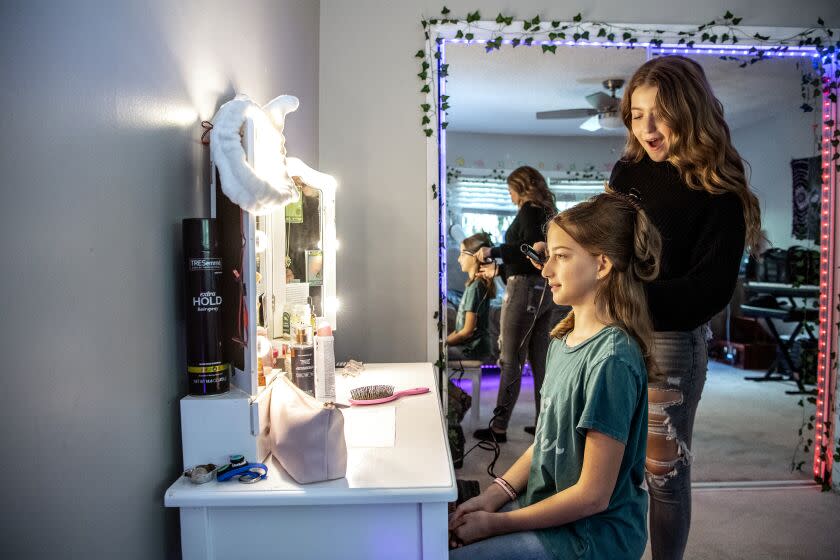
506	487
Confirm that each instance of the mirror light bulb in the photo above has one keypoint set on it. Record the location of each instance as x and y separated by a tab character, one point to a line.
263	346
260	241
333	305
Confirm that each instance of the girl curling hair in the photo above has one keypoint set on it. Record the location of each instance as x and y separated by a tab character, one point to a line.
693	187
527	316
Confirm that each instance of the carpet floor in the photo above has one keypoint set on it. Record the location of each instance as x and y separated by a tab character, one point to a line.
744	432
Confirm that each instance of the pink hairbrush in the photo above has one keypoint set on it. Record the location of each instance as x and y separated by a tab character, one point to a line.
378	394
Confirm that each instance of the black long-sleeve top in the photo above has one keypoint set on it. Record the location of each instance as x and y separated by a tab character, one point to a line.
702	243
527	227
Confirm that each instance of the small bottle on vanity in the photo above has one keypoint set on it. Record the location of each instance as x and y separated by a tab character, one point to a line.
302	362
324	363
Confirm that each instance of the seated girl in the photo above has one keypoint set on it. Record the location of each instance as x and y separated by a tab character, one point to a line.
577	492
471	338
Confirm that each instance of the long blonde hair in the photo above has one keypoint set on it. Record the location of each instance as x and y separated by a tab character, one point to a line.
532	187
614	225
700	145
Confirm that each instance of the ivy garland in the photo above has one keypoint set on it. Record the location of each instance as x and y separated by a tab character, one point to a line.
587	172
807	427
719	31
815	83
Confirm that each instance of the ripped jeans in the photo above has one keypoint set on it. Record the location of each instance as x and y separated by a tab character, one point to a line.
672	404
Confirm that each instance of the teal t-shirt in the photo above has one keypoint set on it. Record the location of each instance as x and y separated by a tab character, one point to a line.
475	300
599	384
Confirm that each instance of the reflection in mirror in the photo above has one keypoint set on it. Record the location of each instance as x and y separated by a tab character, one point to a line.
770	325
303	258
744	430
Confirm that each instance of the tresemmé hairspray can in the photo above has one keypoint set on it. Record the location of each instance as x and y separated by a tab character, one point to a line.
207	372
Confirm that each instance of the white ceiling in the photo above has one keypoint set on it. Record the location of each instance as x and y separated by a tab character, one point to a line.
500	92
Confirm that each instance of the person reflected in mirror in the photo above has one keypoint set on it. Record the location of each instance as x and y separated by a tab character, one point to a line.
526	313
471	338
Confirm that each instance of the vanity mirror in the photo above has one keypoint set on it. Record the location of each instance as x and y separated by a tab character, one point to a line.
554	70
277	254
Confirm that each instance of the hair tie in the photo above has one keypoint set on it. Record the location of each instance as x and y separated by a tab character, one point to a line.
633	198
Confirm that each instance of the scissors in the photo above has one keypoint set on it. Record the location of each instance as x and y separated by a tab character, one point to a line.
247	473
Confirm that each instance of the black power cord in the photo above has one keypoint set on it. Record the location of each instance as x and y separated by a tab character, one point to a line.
493	445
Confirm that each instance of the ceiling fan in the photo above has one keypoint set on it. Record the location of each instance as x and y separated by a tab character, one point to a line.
603	114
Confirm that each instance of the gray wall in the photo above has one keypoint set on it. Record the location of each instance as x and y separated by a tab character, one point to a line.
769	146
370	93
100	161
543	152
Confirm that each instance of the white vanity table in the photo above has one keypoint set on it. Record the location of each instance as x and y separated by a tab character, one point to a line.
391	505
